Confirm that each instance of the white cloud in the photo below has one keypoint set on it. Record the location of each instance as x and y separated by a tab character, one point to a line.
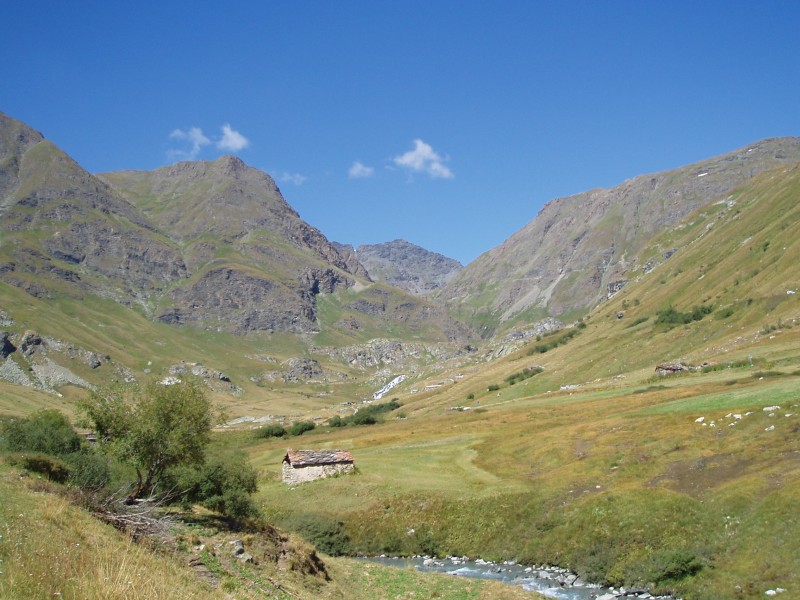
194	140
360	171
195	136
232	140
424	159
295	178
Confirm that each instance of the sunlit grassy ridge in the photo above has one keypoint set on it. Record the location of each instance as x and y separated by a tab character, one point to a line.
596	463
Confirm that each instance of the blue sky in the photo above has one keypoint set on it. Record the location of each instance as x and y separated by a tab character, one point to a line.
448	124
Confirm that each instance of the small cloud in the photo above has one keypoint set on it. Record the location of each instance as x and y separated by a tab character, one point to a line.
424	159
195	140
232	140
195	137
295	178
360	171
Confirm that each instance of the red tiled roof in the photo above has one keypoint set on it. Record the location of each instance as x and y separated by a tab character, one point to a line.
305	458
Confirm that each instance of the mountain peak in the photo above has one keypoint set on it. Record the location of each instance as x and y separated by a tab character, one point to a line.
407	266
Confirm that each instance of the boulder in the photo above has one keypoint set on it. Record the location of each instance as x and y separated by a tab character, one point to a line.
30	342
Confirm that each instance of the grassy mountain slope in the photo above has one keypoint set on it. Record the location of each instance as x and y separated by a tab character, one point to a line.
563	262
597	463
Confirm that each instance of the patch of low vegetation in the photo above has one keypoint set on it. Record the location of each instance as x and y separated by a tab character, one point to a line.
637	321
557	340
738	364
523	375
274	430
672	317
300	427
367	415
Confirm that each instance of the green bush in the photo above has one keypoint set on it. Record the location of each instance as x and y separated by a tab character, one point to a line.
46	431
493	388
367	415
223	484
724	313
523	375
667	566
556	341
300	427
273	430
670	316
88	470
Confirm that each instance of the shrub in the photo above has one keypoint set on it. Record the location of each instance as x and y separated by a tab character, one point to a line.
670	316
88	470
222	484
273	430
493	388
368	415
46	431
523	375
673	565
557	341
300	427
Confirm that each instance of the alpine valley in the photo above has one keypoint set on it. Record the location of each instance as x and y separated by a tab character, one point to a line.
614	390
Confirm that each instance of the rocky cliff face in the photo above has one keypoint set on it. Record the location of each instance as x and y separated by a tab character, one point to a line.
565	259
407	266
207	244
60	224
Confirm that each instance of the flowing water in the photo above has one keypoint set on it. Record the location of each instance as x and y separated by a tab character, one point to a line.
542	580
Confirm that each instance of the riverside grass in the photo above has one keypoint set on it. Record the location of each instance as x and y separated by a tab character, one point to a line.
623	487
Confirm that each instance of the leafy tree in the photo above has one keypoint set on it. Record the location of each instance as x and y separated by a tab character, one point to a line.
152	428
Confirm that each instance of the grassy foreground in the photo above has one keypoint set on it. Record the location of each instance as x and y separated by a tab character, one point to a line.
50	548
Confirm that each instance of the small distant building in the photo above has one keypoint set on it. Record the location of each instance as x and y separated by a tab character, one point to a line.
300	466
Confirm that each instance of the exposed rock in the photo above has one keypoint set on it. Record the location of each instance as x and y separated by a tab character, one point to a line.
407	266
232	300
5	319
238	551
30	342
615	286
302	370
11	372
672	368
6	347
214	379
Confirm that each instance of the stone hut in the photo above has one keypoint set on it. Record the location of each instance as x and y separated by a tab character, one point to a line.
300	466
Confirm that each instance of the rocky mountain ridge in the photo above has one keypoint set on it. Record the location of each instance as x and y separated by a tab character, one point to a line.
406	265
207	244
563	262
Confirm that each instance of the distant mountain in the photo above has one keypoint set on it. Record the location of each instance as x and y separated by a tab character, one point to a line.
579	248
405	265
207	244
66	230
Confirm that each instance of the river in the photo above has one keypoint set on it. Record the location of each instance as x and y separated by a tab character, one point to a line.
548	581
